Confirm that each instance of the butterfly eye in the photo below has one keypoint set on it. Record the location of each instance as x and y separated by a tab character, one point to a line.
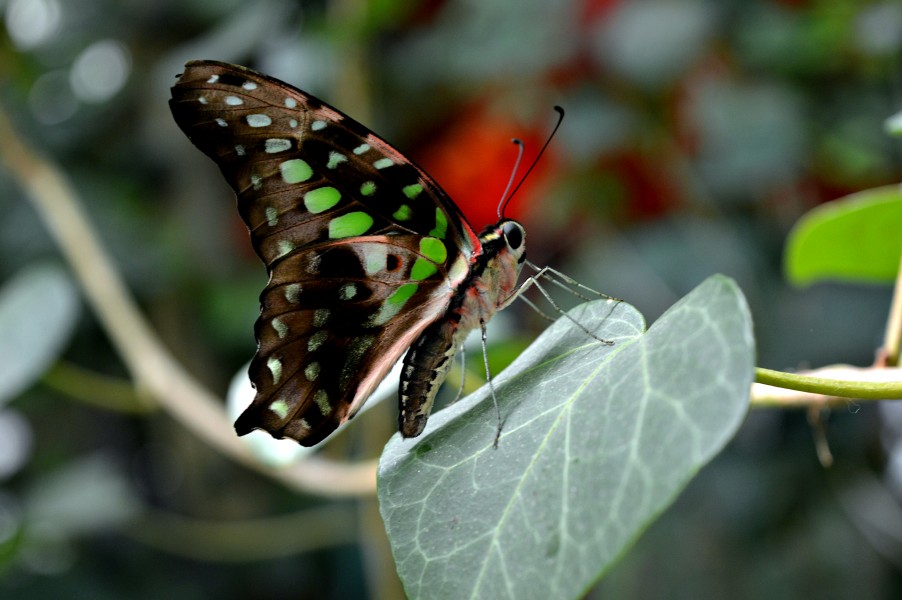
513	233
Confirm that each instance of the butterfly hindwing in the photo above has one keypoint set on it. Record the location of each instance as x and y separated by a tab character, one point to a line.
323	340
363	249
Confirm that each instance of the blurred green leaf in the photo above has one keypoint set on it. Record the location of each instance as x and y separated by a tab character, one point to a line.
893	124
597	441
856	238
83	496
38	309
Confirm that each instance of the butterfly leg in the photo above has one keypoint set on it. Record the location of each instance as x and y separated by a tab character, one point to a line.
562	280
488	376
533	281
463	374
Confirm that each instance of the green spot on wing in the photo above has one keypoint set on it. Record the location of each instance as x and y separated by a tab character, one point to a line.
422	269
280	407
368	188
402	294
403	213
350	225
433	249
413	190
322	401
393	305
295	171
441	224
321	199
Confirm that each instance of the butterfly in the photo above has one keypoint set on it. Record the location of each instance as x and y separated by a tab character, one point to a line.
367	256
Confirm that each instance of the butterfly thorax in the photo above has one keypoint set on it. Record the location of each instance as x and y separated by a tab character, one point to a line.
490	286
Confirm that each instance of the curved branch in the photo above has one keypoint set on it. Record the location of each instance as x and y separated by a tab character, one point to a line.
152	366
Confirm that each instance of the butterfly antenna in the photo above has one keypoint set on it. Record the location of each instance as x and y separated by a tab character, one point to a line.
502	203
560	119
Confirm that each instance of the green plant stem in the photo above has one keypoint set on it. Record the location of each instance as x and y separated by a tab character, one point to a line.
892	343
246	540
108	393
865	390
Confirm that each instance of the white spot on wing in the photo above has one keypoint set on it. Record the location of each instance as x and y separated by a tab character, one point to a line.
275	367
322	401
274	145
285	247
320	316
311	372
258	120
316	340
280	327
293	292
336	158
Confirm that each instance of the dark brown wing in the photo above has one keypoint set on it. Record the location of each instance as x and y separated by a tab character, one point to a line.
364	250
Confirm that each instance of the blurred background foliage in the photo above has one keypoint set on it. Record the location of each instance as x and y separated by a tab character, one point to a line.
697	132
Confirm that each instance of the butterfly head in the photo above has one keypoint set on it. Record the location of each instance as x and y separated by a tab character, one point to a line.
505	240
514	236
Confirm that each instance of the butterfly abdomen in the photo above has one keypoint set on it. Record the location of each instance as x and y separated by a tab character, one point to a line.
490	286
425	368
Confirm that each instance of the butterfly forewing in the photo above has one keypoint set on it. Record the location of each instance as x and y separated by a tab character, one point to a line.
364	251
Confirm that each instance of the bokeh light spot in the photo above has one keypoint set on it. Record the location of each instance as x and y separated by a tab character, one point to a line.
100	71
32	22
51	99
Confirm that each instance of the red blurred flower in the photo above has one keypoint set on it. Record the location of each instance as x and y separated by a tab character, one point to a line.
472	158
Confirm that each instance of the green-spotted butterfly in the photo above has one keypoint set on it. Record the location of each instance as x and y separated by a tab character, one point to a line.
367	256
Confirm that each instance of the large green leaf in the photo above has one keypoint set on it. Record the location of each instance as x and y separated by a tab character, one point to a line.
857	238
597	441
